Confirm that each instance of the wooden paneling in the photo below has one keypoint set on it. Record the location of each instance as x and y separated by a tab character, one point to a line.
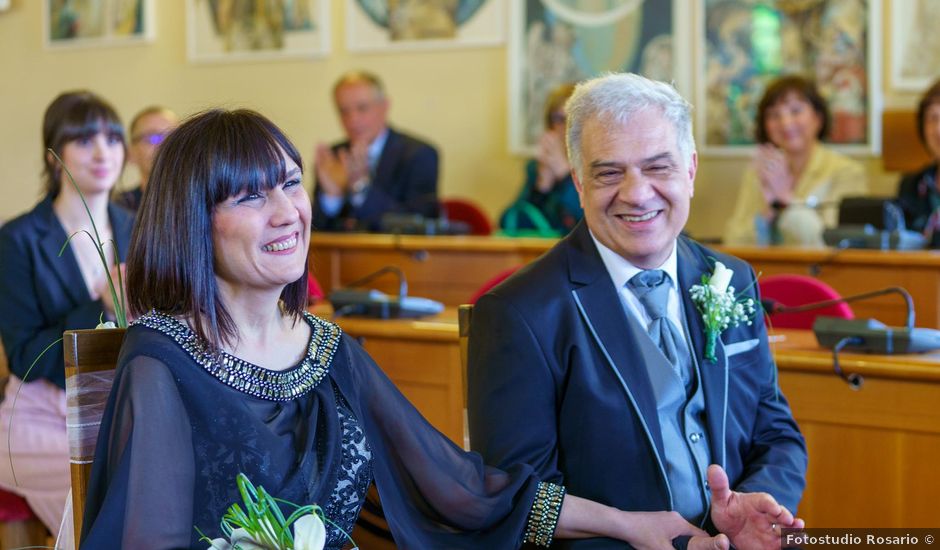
451	269
901	149
447	269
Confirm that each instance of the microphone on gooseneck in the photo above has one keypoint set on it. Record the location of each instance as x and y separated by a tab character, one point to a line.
863	335
772	306
353	300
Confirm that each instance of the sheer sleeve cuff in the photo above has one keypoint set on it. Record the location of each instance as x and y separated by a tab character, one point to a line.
543	518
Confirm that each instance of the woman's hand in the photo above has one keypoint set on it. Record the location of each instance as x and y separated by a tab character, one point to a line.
552	159
582	518
776	181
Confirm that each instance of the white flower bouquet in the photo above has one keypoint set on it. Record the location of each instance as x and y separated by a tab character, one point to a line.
262	526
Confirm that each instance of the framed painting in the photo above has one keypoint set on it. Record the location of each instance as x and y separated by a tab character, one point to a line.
742	45
390	25
554	42
240	30
78	23
915	44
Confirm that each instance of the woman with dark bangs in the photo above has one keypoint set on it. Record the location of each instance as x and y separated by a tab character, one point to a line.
224	372
43	294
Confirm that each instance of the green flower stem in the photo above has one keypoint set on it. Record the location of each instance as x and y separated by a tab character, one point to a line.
13	407
120	307
711	342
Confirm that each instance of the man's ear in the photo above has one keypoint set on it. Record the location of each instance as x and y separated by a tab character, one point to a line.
693	168
579	187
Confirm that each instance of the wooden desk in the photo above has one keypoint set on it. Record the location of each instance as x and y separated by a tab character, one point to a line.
451	269
873	453
853	271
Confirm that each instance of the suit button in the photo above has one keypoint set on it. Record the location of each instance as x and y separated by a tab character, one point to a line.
695	437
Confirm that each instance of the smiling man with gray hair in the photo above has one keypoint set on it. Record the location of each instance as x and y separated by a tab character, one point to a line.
593	363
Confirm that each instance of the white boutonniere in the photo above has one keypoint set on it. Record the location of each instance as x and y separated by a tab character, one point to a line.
720	306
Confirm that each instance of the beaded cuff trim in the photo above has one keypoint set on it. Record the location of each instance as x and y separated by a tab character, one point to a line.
250	378
543	517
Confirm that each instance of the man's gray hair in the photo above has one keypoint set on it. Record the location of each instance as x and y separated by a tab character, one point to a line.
614	98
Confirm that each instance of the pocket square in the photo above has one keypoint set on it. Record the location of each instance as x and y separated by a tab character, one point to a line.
735	348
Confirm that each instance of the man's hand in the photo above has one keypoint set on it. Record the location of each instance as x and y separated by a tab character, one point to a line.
356	161
750	520
331	170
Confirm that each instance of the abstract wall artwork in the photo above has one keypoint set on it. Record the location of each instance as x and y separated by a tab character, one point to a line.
234	30
553	42
69	23
390	25
915	44
744	44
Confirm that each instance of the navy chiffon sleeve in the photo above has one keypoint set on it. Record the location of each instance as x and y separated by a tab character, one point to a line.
434	494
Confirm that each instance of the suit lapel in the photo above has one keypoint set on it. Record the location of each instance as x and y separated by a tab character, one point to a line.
714	375
601	307
65	266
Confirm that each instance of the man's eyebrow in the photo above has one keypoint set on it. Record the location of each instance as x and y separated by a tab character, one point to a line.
665	156
606	164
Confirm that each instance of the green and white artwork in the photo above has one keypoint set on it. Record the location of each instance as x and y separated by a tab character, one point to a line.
377	25
232	30
557	41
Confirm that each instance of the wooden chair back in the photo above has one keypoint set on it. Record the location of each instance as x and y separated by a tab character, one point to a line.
89	355
464	315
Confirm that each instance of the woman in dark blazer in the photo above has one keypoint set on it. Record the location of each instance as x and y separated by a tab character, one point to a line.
46	289
918	194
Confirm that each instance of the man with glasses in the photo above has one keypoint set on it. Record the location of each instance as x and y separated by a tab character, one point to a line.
147	130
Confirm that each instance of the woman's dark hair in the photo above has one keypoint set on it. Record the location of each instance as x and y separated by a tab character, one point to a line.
74	115
212	156
931	96
556	100
778	90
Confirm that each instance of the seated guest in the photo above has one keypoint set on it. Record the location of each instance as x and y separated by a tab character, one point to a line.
591	364
791	192
148	128
43	293
226	373
376	170
918	194
548	186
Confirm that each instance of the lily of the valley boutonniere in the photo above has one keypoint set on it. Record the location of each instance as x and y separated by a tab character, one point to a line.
720	307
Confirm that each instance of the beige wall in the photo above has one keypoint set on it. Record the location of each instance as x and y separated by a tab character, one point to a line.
455	98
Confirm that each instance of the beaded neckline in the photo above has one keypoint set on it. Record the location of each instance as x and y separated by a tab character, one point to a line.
250	378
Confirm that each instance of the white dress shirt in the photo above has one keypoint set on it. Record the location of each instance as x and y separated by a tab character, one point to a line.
621	271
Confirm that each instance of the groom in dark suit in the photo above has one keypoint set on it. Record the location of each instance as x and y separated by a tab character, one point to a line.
590	363
377	170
